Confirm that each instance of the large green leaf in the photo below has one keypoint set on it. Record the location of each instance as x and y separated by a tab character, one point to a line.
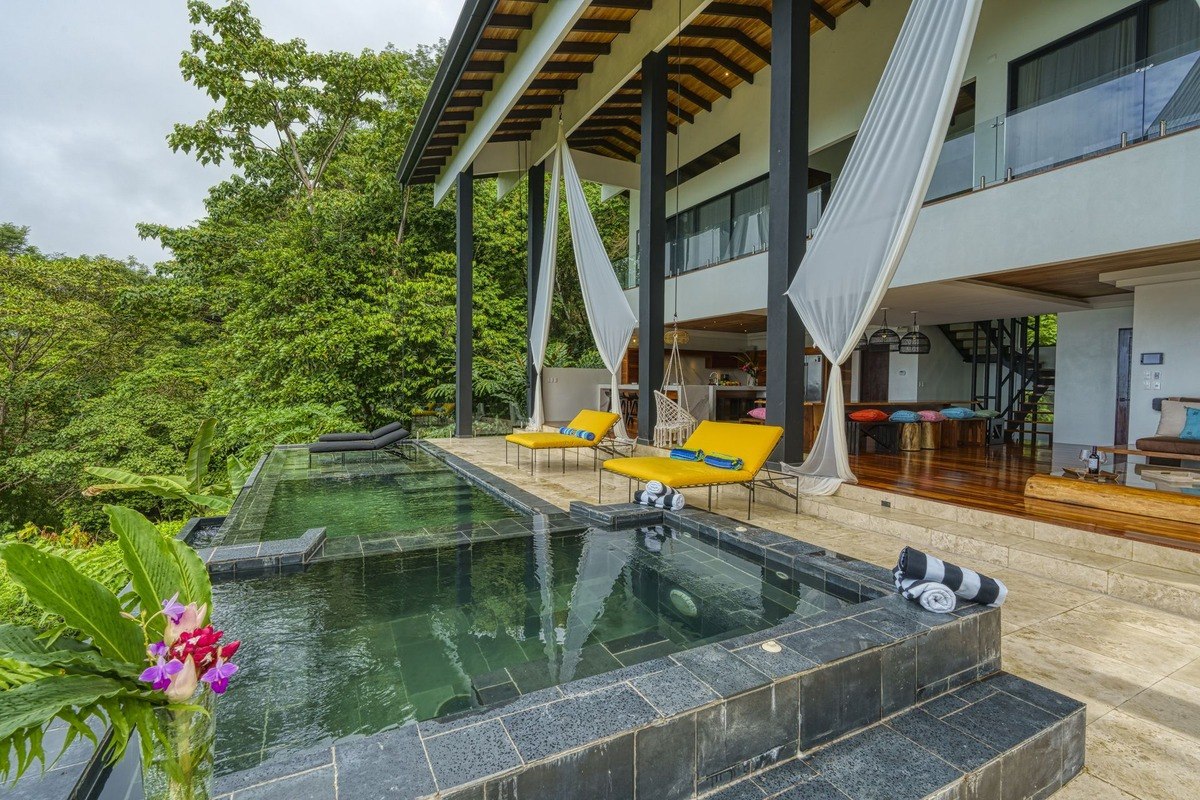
23	644
155	570
41	701
196	465
170	486
194	584
58	588
212	502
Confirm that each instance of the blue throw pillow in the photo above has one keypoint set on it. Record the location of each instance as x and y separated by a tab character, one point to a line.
1191	428
905	416
587	436
956	412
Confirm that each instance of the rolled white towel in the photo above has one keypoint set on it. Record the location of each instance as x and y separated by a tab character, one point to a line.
657	488
933	596
672	500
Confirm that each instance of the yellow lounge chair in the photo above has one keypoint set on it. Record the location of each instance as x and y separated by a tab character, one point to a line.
751	443
597	423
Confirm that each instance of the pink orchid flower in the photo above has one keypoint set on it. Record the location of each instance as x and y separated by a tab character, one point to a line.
190	619
183	683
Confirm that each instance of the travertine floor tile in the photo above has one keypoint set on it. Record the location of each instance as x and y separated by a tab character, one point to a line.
1145	759
1097	680
1171	626
1189	674
1087	787
1135	646
1170	703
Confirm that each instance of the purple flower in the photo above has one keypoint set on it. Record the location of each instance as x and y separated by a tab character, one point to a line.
218	677
159	676
158	649
173	608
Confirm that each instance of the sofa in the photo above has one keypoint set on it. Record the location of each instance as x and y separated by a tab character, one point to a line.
1166	440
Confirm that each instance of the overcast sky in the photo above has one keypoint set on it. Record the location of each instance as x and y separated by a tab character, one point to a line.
89	89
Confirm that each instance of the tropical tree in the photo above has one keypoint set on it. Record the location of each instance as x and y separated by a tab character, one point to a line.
191	486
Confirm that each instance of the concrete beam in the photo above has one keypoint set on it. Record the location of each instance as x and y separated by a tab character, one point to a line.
513	157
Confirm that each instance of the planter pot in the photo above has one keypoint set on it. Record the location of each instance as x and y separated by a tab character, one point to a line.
181	766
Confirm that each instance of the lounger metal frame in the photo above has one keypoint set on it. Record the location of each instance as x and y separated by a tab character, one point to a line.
774	480
533	455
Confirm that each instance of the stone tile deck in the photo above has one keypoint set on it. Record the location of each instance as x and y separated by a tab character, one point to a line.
1069	623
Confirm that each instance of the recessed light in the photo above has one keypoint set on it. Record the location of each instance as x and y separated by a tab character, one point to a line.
772	646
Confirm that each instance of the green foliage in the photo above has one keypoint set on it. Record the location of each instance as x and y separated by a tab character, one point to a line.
191	486
93	674
14	240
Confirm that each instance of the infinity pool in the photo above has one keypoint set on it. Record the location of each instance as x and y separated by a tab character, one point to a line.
365	496
356	645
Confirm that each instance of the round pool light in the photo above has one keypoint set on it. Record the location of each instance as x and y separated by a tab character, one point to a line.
783	576
683	602
740	529
772	646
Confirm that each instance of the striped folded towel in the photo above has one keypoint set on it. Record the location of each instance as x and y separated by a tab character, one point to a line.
721	461
683	454
578	433
667	499
918	574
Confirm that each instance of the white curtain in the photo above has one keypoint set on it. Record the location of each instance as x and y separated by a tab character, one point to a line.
600	565
609	315
862	234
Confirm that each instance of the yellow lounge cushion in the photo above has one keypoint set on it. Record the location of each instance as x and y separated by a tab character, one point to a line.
547	441
598	423
675	473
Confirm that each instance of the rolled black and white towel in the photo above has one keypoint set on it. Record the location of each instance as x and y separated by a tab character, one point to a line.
915	571
660	497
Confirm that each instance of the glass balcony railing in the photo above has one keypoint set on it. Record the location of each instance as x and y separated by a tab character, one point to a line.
1155	99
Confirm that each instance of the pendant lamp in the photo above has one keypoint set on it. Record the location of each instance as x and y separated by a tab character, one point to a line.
914	342
885	336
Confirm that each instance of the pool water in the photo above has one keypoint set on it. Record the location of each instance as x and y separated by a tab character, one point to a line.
358	645
367	495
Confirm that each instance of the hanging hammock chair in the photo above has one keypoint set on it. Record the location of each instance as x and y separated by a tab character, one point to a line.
673	422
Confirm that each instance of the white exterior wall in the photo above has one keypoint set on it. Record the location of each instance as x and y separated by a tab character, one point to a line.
1077	211
1085	392
1166	319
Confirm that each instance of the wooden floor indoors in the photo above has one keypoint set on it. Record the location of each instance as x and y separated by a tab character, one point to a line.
993	479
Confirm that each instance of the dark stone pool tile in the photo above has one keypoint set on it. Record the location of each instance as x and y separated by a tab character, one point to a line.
634	640
898	626
744	789
947	650
948	743
474	716
813	790
543	731
880	764
600	772
665	758
387	765
748	731
51	785
342	546
724	672
315	785
471	754
234	553
796	547
1034	769
836	640
674	691
974	692
1007	720
840	698
783	664
784	776
944	705
898	676
1046	699
586	685
896	604
275	766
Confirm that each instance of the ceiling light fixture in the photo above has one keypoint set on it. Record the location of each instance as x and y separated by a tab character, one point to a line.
914	342
885	336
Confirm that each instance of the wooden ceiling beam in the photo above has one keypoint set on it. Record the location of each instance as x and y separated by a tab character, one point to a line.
735	35
601	26
455	116
714	55
449	127
583	49
691	96
823	16
475	84
511	137
568	67
443	141
530	113
692	71
630	5
560	84
739	11
470	101
490	45
484	65
519	22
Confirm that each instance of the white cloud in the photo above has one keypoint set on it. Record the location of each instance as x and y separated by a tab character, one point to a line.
90	90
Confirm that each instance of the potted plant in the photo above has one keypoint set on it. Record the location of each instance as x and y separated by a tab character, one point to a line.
140	660
749	365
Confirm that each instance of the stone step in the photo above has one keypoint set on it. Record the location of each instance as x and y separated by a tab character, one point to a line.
998	737
1169	589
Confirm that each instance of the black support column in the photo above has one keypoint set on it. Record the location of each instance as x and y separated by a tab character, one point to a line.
788	222
537	229
652	216
464	300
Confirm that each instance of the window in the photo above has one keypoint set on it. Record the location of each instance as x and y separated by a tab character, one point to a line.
1109	48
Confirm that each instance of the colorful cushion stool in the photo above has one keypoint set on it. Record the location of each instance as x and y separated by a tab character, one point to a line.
868	415
929	415
958	413
905	416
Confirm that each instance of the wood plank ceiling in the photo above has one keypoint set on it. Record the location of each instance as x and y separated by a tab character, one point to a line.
726	45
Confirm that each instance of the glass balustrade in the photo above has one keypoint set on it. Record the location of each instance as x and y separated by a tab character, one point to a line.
1156	98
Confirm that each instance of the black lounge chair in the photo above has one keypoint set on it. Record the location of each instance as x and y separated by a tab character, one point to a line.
358	436
390	441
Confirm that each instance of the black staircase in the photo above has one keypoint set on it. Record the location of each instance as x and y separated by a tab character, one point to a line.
1008	376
